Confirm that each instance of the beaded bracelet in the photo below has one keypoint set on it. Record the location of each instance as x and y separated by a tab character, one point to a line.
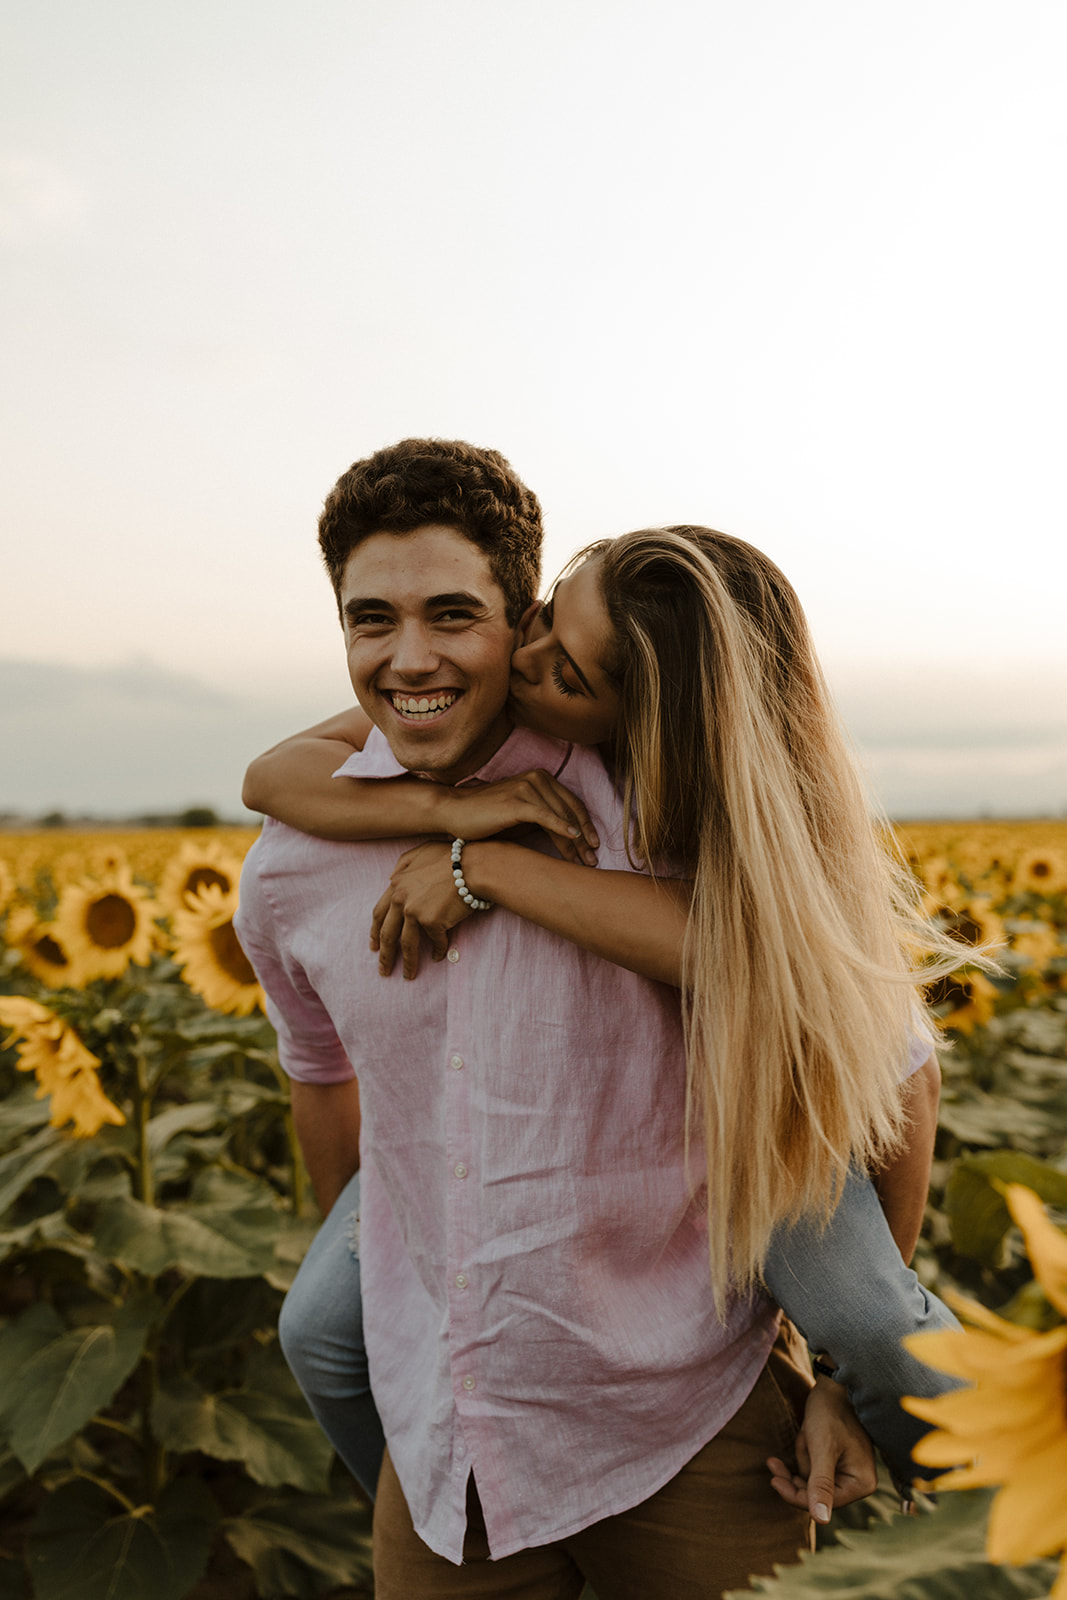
457	875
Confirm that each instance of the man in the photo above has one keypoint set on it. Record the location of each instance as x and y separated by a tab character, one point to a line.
559	1399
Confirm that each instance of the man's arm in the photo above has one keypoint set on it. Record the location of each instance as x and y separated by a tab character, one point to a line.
903	1185
326	1118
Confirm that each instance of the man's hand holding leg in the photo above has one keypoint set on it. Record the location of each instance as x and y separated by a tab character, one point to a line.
835	1457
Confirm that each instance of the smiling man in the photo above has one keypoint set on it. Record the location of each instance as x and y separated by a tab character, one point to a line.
429	648
559	1398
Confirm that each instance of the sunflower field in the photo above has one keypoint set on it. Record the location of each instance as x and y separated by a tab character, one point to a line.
153	1209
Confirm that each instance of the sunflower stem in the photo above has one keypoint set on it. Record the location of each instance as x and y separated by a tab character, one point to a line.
152	1454
296	1159
142	1097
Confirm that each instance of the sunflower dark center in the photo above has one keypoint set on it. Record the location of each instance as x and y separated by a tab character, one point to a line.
48	950
110	921
1041	869
954	991
203	877
227	951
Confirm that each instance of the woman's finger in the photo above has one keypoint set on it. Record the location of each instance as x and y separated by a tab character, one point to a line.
378	916
388	934
576	813
410	936
562	815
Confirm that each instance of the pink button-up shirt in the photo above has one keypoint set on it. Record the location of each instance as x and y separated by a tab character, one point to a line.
537	1305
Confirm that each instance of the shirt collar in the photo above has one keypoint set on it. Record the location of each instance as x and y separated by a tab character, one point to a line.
521	750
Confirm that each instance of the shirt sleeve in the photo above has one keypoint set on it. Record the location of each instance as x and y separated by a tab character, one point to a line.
308	1046
922	1045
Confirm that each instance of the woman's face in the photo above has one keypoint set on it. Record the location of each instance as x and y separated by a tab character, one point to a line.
558	686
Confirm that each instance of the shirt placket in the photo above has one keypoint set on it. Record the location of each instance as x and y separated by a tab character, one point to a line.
462	1187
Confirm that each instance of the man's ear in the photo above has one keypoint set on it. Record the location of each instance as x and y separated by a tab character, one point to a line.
525	621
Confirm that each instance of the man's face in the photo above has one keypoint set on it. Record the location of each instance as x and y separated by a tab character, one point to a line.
429	648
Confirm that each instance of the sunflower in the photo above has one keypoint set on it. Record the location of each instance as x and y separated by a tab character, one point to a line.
974	923
1037	940
196	866
963	1001
64	1068
942	885
1040	872
104	924
1010	1428
39	950
209	953
7	883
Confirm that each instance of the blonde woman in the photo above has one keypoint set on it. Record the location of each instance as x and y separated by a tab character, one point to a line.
769	901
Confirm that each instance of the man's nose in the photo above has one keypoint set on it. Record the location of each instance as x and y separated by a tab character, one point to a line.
415	655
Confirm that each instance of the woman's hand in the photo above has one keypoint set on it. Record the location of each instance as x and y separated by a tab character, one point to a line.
531	800
834	1455
421	899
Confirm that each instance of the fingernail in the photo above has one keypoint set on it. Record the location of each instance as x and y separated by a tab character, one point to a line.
575	833
822	1513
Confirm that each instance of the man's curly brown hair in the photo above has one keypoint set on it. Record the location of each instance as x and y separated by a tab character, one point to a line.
420	481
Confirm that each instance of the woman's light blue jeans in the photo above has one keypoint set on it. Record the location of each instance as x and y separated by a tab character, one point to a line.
845	1287
848	1291
321	1332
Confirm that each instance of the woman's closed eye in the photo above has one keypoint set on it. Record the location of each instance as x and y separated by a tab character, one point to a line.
560	681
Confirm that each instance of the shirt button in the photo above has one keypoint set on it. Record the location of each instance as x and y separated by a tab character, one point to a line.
457	1062
460	1170
461	1280
453	955
468	1383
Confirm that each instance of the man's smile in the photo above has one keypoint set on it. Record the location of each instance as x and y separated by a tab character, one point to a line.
421	708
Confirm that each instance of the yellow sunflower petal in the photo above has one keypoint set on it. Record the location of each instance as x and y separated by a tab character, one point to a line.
972	1312
1045	1244
16	1011
1029	1515
209	952
960	1351
80	1099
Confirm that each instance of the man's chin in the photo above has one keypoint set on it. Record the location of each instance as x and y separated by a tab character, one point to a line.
444	760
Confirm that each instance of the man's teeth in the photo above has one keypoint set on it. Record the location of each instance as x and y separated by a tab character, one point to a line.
422	706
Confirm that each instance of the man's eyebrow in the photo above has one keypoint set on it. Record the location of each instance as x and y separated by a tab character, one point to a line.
433	602
469	602
365	603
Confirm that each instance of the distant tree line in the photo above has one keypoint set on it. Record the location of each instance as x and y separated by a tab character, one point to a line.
191	817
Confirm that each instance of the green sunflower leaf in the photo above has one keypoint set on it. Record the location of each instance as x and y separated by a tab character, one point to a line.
55	1379
939	1556
212	1240
84	1546
977	1211
303	1546
272	1434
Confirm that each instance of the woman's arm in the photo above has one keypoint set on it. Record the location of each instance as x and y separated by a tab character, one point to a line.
904	1184
629	919
294	783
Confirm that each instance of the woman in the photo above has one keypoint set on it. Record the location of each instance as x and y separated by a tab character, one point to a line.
769	901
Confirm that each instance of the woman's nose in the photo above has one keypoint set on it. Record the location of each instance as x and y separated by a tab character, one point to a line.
524	662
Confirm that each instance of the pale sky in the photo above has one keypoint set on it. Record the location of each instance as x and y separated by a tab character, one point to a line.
791	269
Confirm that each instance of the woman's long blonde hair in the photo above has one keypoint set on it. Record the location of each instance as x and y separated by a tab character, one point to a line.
801	963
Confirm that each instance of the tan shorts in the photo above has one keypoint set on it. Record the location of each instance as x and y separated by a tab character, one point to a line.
710	1529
